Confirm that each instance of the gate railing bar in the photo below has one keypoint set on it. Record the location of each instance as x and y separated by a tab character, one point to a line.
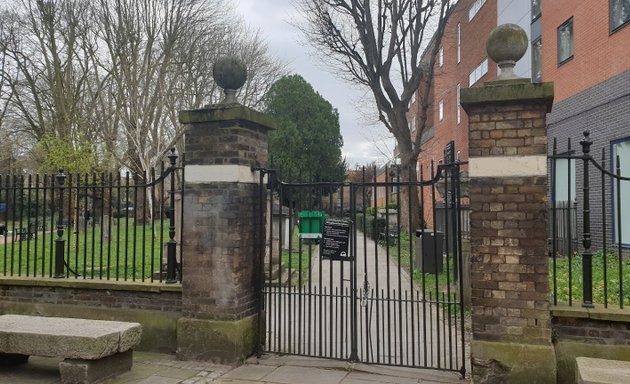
587	235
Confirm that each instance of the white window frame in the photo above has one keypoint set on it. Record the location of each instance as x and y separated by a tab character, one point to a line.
624	163
617	19
459	113
565	41
474	9
565	173
478	72
441	110
459	43
441	56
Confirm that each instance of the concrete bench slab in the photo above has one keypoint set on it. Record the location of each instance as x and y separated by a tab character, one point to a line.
93	349
601	371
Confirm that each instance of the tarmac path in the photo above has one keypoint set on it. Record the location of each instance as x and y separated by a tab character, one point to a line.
395	324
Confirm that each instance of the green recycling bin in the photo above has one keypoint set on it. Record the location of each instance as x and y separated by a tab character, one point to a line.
311	224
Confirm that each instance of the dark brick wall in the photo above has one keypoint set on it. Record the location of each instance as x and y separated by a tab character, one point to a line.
221	265
604	110
591	331
227	142
102	298
509	269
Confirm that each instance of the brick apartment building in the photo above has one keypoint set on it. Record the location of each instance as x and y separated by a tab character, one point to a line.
463	62
582	46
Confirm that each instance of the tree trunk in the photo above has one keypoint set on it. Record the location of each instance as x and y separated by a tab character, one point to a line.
410	195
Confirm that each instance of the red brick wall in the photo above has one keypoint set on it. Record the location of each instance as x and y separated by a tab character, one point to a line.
597	54
473	51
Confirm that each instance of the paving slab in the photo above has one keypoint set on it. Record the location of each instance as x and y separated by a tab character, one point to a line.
153	368
291	375
249	372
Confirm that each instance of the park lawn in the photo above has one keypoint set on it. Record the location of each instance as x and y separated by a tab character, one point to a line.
610	295
124	257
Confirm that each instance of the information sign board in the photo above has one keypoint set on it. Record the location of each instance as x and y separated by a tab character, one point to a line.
335	240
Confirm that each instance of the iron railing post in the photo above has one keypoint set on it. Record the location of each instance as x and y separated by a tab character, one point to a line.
587	255
60	242
171	260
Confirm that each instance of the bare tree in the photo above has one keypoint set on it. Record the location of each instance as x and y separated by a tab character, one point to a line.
46	44
379	45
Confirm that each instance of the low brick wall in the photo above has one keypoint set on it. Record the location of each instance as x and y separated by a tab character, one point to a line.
598	332
156	306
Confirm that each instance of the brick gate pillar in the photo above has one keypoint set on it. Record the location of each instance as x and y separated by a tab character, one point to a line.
224	144
511	327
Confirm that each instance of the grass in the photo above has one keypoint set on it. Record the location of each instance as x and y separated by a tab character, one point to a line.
572	288
124	257
435	286
291	260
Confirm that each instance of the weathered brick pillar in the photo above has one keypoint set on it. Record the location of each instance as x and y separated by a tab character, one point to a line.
221	268
508	227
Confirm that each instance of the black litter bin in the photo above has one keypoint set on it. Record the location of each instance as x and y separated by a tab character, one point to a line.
429	251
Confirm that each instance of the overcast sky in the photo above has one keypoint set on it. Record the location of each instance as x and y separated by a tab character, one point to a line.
363	142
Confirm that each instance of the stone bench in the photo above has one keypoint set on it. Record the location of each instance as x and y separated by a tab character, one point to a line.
601	371
93	350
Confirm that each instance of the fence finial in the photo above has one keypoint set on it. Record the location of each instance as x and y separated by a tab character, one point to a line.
586	143
172	157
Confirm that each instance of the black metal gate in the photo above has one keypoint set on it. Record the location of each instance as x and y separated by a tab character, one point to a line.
373	304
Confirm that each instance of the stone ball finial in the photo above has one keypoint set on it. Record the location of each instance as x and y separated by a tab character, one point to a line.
506	45
230	74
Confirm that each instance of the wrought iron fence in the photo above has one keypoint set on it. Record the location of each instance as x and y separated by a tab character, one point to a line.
390	295
588	251
102	226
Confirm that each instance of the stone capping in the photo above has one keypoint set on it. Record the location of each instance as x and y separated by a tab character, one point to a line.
226	113
597	313
90	284
507	92
601	371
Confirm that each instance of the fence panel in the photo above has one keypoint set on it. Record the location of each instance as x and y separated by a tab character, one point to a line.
92	226
590	263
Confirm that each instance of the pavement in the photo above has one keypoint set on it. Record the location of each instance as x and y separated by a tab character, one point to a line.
153	368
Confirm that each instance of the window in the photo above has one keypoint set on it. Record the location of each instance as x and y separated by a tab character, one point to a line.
537	61
619	14
459	112
459	42
622	149
441	110
565	180
536	9
475	8
441	56
478	72
565	41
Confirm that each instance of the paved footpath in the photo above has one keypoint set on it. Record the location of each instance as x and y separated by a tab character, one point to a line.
151	368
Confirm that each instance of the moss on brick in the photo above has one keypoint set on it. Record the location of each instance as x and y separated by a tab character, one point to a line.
514	363
222	113
159	328
507	92
567	351
217	341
